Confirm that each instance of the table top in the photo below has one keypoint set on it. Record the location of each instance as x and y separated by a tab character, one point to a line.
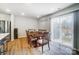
3	35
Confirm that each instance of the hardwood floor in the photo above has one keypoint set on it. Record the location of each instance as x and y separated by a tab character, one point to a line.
18	46
21	47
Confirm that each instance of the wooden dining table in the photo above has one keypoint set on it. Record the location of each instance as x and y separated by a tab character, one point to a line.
37	36
39	39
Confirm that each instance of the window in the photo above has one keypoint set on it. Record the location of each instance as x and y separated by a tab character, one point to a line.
62	29
2	26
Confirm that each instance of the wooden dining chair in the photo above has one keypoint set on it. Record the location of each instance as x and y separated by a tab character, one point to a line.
43	40
31	39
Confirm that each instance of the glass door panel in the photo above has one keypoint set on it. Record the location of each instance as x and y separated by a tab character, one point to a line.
56	29
67	29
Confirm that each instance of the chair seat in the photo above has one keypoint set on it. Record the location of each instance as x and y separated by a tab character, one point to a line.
33	39
42	41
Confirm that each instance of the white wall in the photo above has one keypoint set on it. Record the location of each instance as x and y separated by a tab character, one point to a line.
12	27
24	23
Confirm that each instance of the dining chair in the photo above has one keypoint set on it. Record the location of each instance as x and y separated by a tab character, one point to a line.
31	39
43	40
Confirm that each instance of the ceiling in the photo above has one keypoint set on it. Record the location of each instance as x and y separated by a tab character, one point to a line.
32	9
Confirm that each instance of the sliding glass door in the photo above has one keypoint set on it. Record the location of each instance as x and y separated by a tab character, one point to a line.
67	29
56	29
62	29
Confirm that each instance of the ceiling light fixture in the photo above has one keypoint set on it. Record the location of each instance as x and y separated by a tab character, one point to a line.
22	13
8	10
37	16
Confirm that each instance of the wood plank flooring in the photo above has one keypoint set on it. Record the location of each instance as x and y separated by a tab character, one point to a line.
21	47
18	46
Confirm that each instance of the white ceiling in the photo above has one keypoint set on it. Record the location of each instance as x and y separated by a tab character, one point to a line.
32	9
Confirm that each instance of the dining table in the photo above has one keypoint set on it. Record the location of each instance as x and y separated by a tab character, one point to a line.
37	36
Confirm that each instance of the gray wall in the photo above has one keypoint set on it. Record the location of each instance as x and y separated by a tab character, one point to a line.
76	29
44	23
